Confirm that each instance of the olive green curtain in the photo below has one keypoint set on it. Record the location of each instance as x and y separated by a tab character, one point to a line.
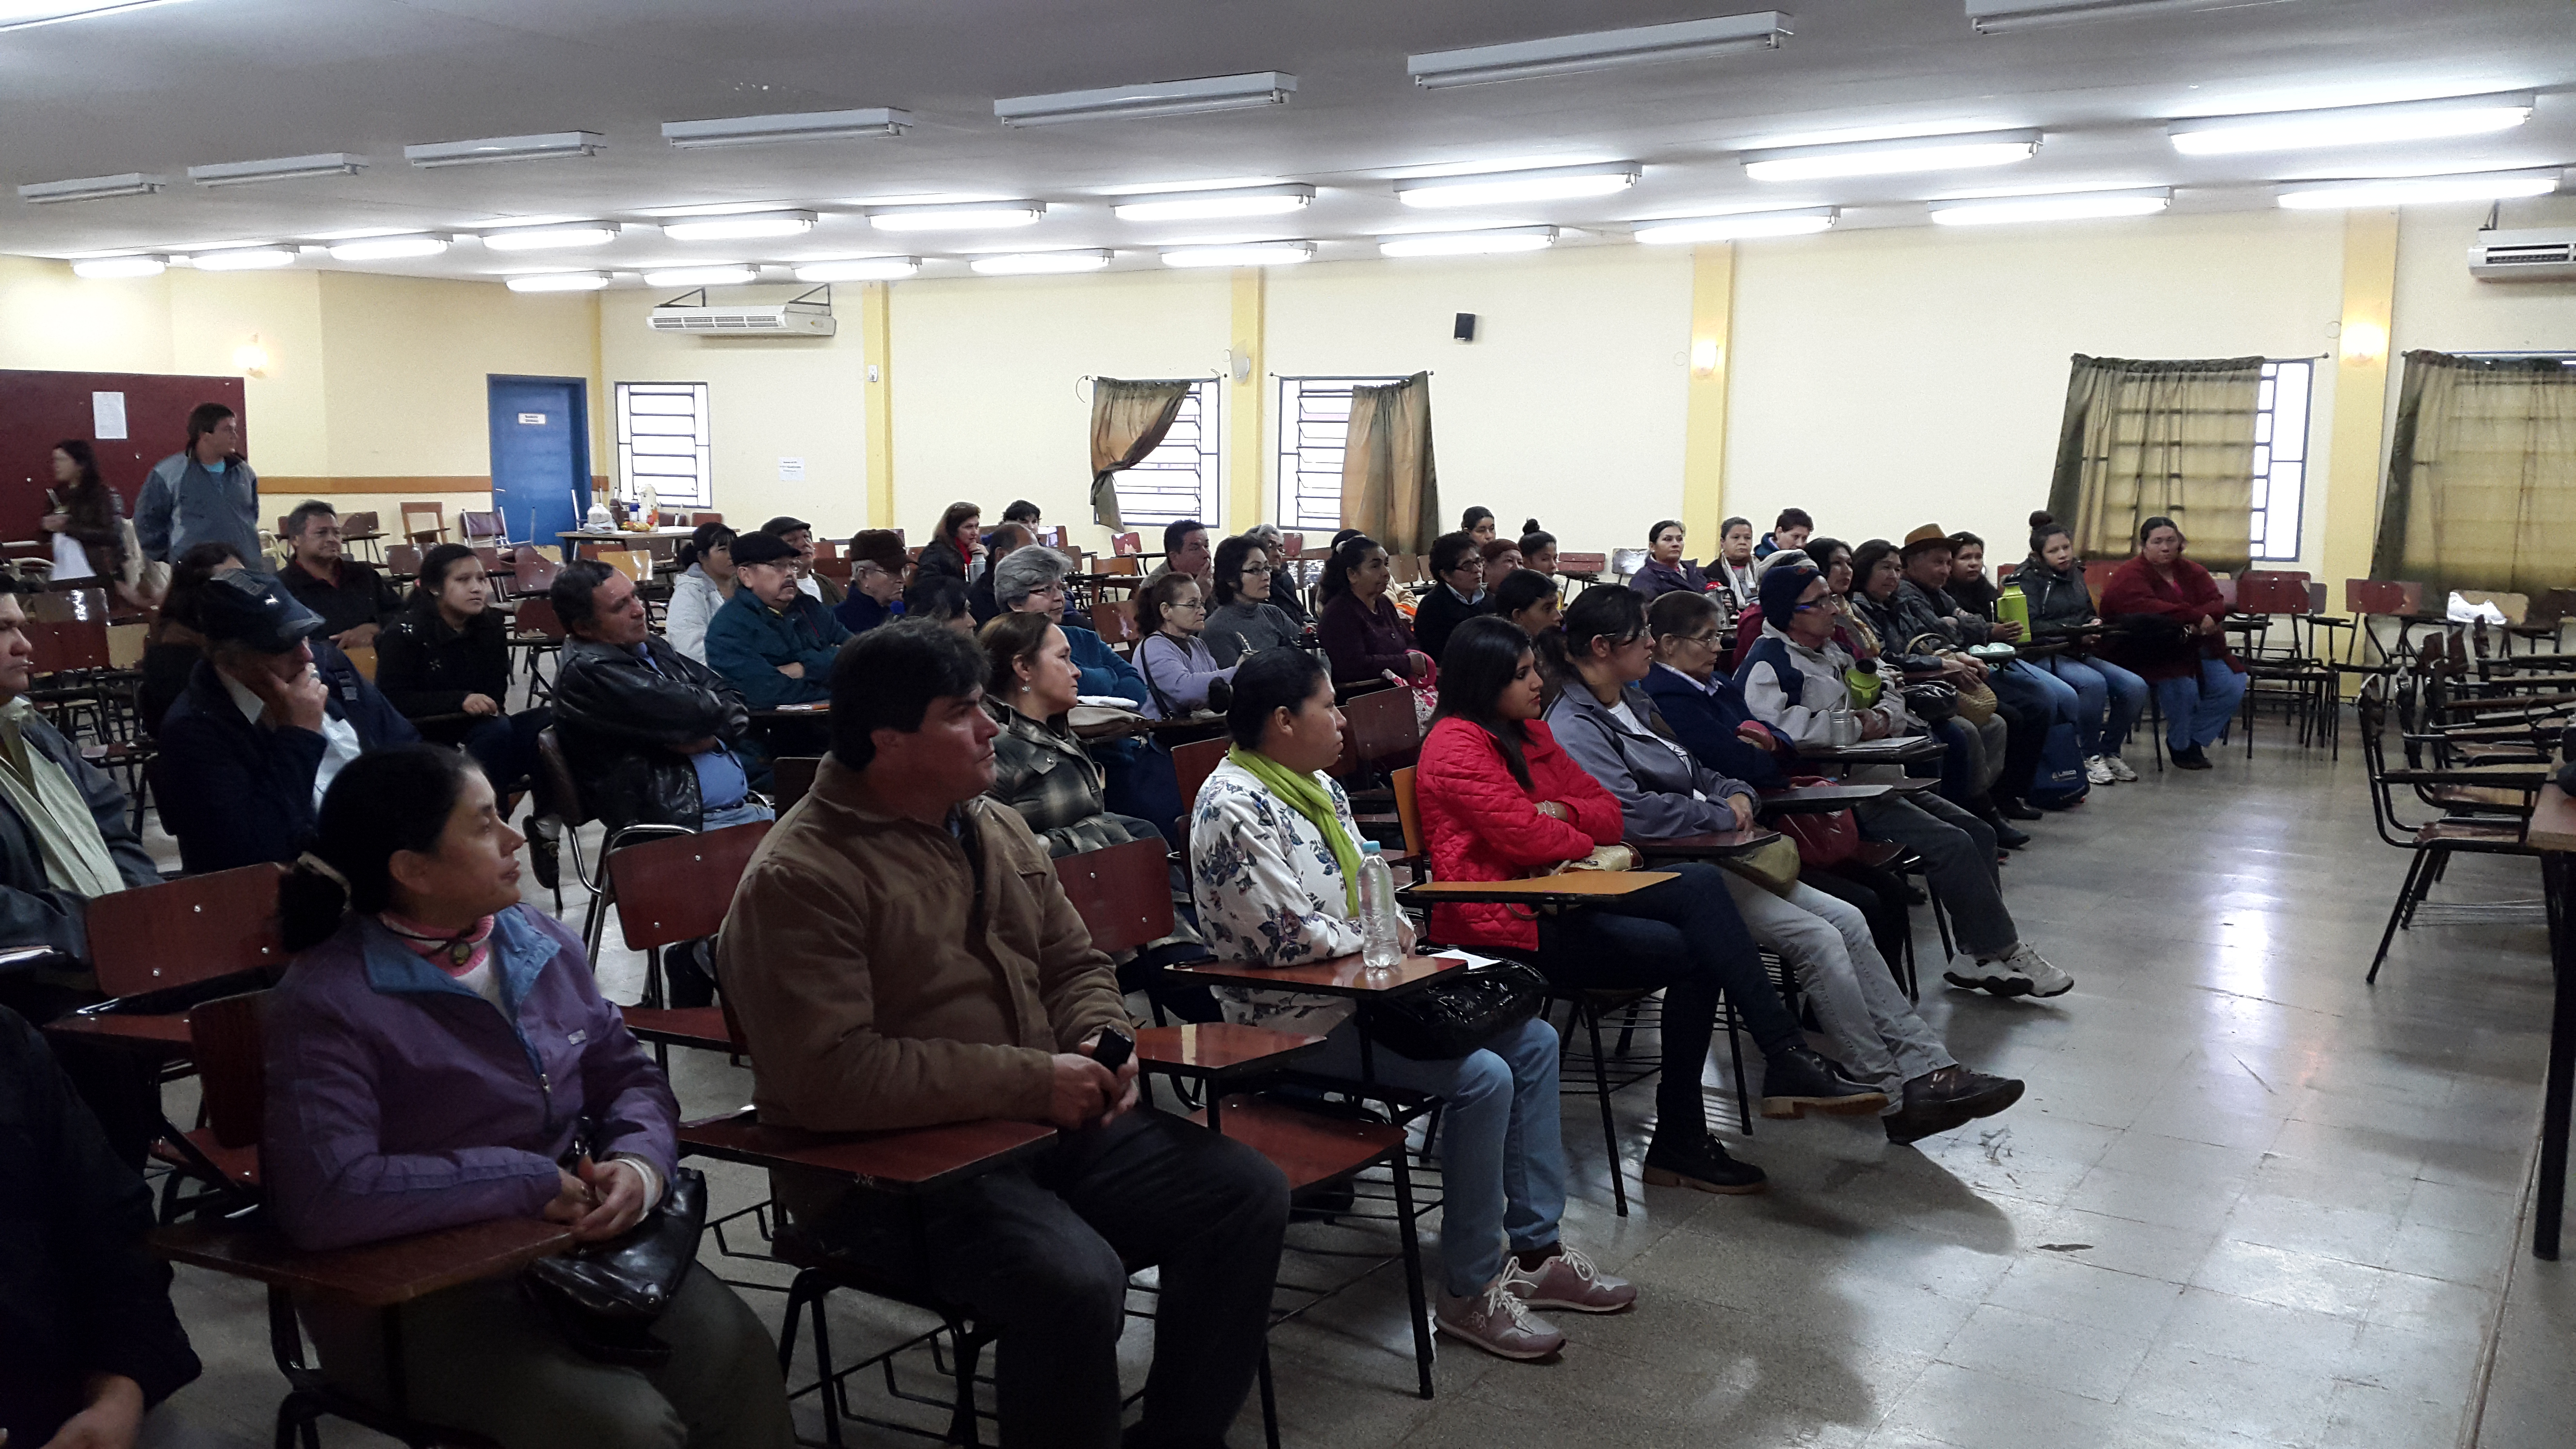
1128	421
1390	489
2481	488
2143	439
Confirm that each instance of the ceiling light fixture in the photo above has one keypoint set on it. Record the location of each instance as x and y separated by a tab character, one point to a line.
92	188
506	148
388	248
2067	206
1241	254
1468	243
1598	50
2350	125
2419	190
743	226
1545	183
24	14
860	269
1732	226
2003	17
956	216
551	238
243	259
283	168
1160	98
100	268
558	282
1215	205
723	276
1030	264
803	126
1890	157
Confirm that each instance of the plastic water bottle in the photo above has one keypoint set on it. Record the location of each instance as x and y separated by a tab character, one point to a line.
1381	926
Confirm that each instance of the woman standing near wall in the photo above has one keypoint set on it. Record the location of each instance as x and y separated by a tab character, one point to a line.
89	541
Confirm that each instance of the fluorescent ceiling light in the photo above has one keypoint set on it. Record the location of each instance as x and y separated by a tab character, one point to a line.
804	126
2068	206
1215	205
860	269
92	188
1891	157
1547	183
1241	254
1025	264
702	276
1161	98
1598	50
2350	125
551	238
2418	190
505	148
741	227
97	268
559	282
1468	243
1795	221
960	216
22	14
243	259
388	248
2002	17
284	168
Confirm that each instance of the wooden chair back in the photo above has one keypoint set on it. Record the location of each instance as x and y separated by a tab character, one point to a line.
2272	593
1408	810
531	572
404	559
1123	892
363	659
793	776
69	644
679	887
1292	544
1581	565
232	1072
537	615
636	564
1193	763
1408	568
558	793
155	938
2382	596
1124	564
354	525
1623	561
2097	576
1382	726
2551	608
1116	621
702	519
478	526
424	522
1126	545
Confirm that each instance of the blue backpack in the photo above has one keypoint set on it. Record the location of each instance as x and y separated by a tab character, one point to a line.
2059	781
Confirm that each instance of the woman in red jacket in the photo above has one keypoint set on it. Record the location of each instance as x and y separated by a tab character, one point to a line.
1500	800
2176	643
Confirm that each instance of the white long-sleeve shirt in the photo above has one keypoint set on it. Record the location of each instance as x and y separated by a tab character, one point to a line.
694	600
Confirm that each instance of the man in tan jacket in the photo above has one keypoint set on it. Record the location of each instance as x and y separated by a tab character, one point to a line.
900	955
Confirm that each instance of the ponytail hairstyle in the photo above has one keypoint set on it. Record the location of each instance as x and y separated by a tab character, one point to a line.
2043	527
1477	666
1346	557
380	802
708	538
1534	538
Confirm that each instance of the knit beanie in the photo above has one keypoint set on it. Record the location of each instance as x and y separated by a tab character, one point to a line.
1780	590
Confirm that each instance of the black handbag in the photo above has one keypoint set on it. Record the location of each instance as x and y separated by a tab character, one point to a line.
1932	702
1463	1012
605	1297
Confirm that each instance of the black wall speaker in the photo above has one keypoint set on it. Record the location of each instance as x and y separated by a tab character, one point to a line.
1465	331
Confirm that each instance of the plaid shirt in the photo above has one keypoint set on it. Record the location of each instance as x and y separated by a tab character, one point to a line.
1040	770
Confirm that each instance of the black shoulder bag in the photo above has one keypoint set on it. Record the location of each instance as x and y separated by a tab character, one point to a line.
1465	1010
605	1297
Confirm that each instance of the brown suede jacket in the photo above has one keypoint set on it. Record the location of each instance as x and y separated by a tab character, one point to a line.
875	987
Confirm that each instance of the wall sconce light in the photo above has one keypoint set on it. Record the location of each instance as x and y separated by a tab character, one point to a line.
2363	341
251	358
1705	356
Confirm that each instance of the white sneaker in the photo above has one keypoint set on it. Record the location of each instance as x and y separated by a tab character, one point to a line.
2023	972
2098	772
2120	770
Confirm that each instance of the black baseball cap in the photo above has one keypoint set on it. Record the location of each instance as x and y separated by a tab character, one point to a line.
256	611
760	548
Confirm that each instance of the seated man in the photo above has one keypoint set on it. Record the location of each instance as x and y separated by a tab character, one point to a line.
2032	700
270	716
900	955
354	600
797	534
1186	551
88	1339
878	569
775	643
1792	680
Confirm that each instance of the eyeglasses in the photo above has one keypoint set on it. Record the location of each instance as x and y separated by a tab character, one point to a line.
1258	569
1185	604
1810	608
1705	641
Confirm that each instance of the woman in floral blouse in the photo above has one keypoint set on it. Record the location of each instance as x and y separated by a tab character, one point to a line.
1274	867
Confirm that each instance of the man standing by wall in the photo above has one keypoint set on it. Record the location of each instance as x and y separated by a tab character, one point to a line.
205	493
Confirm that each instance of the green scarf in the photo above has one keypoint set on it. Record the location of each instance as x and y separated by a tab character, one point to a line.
1309	797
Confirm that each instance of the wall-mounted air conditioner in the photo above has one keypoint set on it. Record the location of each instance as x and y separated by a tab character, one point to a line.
2523	256
800	317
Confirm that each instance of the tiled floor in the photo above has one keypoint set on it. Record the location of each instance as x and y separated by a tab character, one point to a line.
2248	1200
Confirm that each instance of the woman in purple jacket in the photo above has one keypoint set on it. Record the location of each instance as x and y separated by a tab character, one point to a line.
433	1052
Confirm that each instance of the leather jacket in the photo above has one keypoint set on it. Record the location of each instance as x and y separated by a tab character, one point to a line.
622	725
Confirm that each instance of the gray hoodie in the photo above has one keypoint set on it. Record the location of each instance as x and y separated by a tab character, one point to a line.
184	505
1663	791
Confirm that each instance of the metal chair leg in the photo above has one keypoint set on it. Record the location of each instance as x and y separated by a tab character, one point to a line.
2405	895
1609	1124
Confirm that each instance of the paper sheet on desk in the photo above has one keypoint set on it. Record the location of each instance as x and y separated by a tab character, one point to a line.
1889	746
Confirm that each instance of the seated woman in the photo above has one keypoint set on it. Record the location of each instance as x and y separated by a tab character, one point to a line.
1365	638
1730	574
1273	543
446	665
1245	621
1502	558
1528	600
1274	867
2052	580
2198	682
1000	544
434	1052
1663	570
1141	780
706	581
1173	657
1457	592
1538	549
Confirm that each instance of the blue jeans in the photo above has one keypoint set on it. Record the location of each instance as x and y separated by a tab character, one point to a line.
1502	1158
741	812
2101	686
2197	709
2035	692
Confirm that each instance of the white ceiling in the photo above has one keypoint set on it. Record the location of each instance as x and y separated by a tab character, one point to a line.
200	81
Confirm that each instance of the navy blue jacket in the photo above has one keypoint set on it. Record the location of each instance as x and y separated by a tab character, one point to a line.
858	613
239	793
748	641
1706	723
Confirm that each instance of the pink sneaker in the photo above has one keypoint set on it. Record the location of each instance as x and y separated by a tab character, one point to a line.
1568	1281
1497	1322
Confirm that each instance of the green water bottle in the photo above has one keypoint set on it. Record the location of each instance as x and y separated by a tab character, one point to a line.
2013	607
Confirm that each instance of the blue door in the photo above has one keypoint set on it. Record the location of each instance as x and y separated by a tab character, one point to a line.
540	455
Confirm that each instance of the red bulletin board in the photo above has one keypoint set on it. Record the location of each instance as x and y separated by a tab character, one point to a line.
40	409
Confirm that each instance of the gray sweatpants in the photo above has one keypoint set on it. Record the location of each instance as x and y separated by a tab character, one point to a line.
1826	941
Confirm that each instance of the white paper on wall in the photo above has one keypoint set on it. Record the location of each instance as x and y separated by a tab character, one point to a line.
107	415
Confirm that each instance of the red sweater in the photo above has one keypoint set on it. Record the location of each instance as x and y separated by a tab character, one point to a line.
1481	825
2188	597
